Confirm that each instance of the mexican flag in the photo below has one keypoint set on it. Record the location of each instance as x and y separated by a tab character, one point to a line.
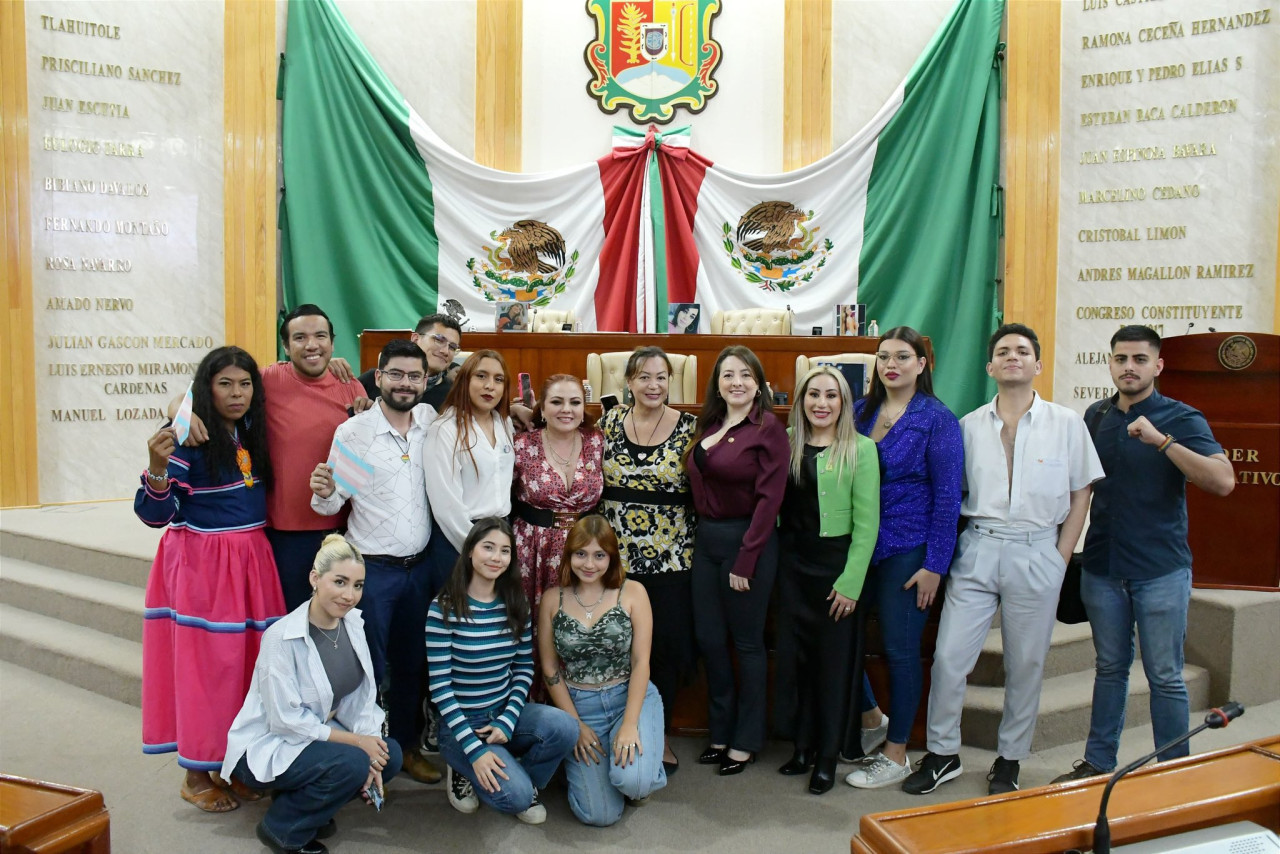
904	217
382	222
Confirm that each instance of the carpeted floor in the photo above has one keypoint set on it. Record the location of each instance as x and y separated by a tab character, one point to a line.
60	733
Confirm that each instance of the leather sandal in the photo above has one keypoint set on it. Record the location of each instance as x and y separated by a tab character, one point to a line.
209	799
236	787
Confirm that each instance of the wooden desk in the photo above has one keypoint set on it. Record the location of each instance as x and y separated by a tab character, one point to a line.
1237	784
45	818
542	354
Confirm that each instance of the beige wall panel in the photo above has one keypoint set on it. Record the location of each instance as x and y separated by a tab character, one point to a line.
499	65
126	147
1170	180
806	111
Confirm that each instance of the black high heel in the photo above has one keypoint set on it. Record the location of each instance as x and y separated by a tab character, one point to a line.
823	777
799	763
729	767
713	756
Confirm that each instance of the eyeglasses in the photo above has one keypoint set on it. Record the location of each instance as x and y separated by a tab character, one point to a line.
395	376
900	358
440	341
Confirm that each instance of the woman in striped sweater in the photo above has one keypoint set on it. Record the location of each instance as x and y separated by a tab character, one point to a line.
499	747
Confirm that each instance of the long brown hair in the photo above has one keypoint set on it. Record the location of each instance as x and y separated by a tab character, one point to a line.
585	530
459	399
924	382
714	408
453	598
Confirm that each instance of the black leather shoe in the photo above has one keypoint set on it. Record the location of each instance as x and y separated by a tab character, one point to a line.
729	767
671	767
327	830
713	756
799	763
315	846
823	777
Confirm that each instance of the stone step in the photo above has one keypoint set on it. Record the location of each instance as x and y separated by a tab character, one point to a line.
80	559
90	659
103	540
1065	705
105	606
1070	651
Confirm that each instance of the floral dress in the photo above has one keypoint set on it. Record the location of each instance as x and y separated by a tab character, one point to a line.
539	485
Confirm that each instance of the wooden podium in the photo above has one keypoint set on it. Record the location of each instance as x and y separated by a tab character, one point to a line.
1240	783
1234	379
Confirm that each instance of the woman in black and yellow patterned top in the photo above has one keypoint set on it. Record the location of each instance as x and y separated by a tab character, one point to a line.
646	500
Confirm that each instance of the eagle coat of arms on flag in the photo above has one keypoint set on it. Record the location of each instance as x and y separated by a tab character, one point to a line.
652	56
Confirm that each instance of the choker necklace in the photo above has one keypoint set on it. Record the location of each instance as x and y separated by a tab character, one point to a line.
333	640
589	610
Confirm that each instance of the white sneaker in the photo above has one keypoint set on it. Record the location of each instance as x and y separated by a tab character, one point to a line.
874	737
462	796
536	813
882	771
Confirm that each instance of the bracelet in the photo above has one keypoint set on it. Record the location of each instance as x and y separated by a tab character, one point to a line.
157	478
1168	440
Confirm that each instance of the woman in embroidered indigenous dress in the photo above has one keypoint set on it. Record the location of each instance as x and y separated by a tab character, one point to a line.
595	649
557	478
213	588
647	502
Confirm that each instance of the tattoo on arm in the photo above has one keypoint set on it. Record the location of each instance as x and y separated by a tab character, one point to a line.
553	679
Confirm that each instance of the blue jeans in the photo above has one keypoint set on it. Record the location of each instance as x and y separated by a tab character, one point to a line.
295	552
314	787
394	608
1158	608
543	738
901	627
597	790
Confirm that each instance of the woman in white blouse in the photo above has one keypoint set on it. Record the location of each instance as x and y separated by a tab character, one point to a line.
469	456
310	727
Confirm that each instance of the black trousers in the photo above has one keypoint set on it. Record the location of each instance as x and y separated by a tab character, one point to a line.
673	653
814	656
736	713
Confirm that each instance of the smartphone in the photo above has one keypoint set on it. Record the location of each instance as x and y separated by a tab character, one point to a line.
608	401
526	390
376	798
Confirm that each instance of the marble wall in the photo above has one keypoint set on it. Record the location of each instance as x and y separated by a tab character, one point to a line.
1170	181
125	117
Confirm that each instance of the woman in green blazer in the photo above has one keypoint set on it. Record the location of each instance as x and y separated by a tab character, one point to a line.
828	525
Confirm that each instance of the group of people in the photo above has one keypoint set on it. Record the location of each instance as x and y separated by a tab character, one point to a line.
570	571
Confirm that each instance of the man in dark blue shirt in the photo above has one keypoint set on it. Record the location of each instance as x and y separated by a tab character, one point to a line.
1137	564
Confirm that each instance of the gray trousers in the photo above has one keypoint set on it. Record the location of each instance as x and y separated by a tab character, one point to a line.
1022	574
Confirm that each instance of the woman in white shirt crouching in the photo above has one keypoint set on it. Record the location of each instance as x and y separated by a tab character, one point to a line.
311	727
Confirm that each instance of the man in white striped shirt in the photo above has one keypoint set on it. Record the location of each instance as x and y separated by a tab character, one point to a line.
391	524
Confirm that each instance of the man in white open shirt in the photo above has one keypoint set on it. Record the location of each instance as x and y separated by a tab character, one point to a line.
1029	468
391	524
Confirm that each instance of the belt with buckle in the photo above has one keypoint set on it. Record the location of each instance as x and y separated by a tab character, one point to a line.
394	560
544	518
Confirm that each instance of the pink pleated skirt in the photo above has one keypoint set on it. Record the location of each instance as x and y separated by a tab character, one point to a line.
209	599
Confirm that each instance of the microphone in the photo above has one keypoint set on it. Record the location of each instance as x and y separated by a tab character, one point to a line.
1216	719
1189	325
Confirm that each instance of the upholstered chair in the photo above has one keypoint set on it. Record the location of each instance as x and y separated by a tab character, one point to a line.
550	320
751	321
607	373
805	363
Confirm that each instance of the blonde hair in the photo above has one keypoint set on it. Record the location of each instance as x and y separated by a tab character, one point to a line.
844	450
335	549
